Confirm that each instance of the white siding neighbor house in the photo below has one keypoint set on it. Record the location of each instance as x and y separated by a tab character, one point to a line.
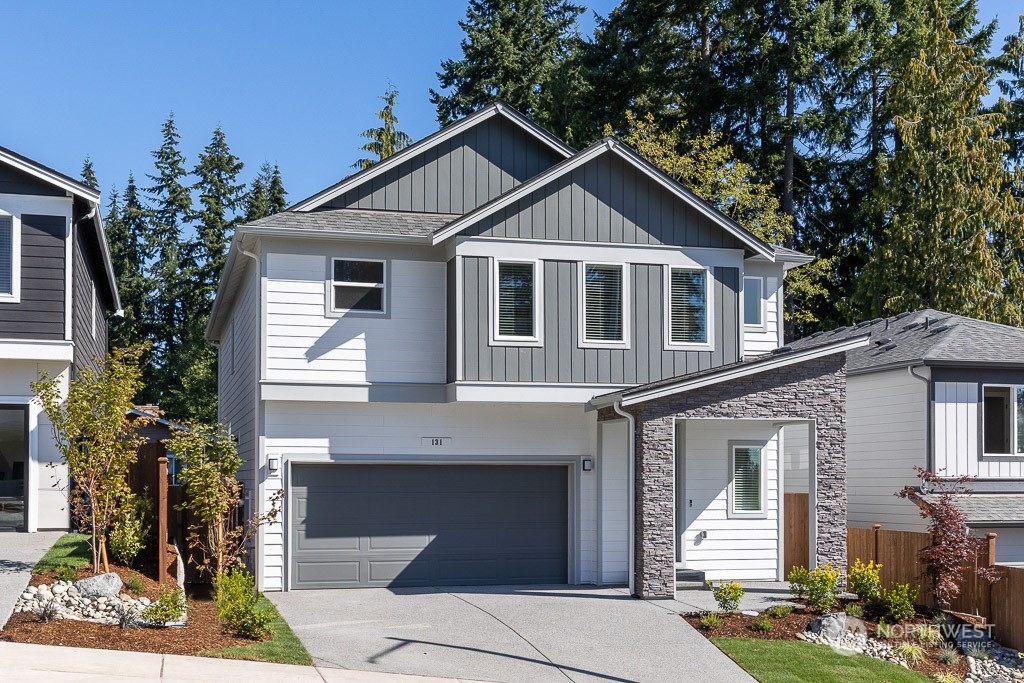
453	362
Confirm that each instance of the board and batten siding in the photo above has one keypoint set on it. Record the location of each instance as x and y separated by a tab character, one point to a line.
40	313
389	432
456	175
561	359
304	343
958	419
88	314
745	549
605	200
238	373
886	417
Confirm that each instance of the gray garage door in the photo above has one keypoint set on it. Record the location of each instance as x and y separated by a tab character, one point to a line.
428	525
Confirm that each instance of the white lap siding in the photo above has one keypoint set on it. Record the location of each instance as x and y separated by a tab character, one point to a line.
390	432
757	341
238	373
613	472
734	548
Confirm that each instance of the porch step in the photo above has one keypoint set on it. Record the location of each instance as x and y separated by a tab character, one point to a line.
690	576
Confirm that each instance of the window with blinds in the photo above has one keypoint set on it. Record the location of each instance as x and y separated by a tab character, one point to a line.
688	306
753	301
516	300
6	255
357	286
602	303
747	472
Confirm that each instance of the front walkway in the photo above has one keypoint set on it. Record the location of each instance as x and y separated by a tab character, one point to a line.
507	634
757	596
18	554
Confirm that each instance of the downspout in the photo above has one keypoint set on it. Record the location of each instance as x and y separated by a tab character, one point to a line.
631	421
929	456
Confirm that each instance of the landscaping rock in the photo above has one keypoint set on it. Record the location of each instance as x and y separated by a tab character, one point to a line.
102	586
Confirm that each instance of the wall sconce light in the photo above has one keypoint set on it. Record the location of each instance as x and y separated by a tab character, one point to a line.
588	464
273	463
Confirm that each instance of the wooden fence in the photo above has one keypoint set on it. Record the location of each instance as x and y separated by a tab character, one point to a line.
797	530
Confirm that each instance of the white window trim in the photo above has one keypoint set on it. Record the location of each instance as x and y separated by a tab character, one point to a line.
1014	436
537	339
581	285
731	512
337	312
670	345
763	302
15	296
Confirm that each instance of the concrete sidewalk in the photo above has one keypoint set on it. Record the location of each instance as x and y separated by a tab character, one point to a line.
18	554
21	663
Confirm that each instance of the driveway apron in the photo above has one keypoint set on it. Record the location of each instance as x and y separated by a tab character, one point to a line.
18	554
508	634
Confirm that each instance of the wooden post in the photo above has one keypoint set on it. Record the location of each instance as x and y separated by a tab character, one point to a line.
876	528
990	537
162	511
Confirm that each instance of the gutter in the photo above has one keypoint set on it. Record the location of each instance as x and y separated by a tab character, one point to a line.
631	506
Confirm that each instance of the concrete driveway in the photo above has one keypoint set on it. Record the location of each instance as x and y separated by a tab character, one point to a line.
509	634
18	554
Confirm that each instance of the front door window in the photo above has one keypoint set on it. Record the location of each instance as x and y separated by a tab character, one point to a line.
13	463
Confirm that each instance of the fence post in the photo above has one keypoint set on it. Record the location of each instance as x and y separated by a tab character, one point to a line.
990	537
876	528
161	533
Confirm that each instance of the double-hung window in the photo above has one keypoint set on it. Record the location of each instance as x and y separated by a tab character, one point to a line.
747	481
687	308
516	309
10	261
604	315
358	285
1003	420
753	302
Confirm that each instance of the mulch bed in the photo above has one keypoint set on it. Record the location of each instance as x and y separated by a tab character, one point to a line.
202	631
735	625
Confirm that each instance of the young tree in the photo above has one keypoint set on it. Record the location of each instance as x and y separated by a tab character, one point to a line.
953	549
127	226
89	174
96	440
385	139
952	230
510	51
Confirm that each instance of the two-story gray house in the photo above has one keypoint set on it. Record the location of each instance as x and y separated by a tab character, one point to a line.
57	290
493	359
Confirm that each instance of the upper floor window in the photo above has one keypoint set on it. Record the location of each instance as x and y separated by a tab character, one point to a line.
687	316
10	263
1003	420
516	302
753	301
604	294
357	285
747	482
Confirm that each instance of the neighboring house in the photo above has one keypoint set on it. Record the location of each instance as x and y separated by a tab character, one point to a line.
57	289
943	392
441	360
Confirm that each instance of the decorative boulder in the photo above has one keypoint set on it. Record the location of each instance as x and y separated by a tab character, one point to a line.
102	586
832	626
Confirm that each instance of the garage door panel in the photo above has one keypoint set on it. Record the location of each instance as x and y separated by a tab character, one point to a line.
368	525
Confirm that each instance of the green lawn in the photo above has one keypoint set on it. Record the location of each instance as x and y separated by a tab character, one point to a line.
283	647
70	549
783	661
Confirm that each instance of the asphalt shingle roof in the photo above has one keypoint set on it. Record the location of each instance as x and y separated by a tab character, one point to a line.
357	222
927	336
987	507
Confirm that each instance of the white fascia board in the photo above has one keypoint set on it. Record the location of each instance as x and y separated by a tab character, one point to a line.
743	370
50	177
446	133
564	250
108	264
523	392
335	235
38	350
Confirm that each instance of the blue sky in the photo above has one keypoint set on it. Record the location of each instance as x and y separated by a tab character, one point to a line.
292	83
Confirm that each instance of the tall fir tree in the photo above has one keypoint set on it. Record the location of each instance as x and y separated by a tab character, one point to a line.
1009	64
952	230
127	224
385	139
511	51
89	174
266	195
276	193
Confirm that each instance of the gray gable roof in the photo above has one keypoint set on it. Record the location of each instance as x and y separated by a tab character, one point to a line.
352	222
927	336
981	508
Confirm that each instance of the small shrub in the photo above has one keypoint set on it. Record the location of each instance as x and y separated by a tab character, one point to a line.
798	581
945	677
170	606
929	635
727	595
978	652
761	623
65	572
238	605
131	527
710	621
948	655
134	584
899	601
941	618
911	653
864	580
127	616
884	630
48	611
779	611
822	588
855	610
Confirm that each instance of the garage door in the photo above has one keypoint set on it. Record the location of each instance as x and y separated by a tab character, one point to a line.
428	525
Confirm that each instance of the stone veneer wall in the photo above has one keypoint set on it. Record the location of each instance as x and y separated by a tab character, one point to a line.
815	389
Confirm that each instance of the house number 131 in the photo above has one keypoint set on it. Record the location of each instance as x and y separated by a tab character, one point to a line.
436	441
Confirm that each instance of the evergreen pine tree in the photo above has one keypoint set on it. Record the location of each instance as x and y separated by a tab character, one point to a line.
266	195
89	174
1010	64
952	230
276	192
127	226
385	139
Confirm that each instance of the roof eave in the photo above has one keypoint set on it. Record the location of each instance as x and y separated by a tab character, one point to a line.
49	175
108	263
334	234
